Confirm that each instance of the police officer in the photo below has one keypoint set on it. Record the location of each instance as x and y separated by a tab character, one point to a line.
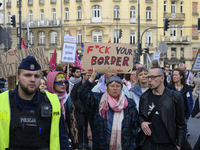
29	118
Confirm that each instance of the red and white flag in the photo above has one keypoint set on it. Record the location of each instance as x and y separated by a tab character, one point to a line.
23	44
52	61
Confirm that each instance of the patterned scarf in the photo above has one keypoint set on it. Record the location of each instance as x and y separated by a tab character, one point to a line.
62	99
117	107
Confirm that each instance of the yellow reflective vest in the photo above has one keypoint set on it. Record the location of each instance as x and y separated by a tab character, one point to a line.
5	118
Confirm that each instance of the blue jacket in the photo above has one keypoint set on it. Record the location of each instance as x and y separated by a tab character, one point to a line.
98	124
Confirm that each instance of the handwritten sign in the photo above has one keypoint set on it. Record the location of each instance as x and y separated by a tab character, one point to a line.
107	57
156	56
196	64
9	64
68	53
70	39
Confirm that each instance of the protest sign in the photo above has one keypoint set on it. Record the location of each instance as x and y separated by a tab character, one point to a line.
196	64
107	57
68	53
70	39
156	56
9	64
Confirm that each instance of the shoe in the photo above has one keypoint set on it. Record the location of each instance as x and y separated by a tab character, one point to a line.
86	146
188	134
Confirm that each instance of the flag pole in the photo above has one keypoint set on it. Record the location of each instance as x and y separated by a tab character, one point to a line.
67	71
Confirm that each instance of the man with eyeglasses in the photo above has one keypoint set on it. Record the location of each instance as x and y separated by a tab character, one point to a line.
163	128
29	118
167	72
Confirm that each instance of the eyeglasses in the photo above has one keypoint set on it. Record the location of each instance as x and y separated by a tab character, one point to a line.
61	82
153	77
167	66
133	74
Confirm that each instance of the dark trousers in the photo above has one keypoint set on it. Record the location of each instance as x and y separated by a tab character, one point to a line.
154	146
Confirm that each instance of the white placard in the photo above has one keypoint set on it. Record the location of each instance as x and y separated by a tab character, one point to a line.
68	53
70	39
156	56
196	66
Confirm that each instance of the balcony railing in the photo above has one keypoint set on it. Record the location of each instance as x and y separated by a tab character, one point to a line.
78	0
41	44
96	0
149	1
176	40
66	1
52	44
132	0
30	3
42	23
175	16
195	37
53	1
8	4
41	2
116	0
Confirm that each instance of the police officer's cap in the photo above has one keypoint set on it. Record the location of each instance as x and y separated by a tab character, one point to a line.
29	63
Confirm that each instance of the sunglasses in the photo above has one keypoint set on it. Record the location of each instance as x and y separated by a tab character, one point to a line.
61	82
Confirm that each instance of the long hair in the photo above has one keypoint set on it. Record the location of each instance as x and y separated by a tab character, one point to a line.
137	73
127	76
181	73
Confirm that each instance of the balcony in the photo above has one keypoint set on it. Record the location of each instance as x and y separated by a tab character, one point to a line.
53	44
66	1
30	3
53	1
116	0
8	4
149	1
175	16
195	13
78	0
36	23
195	37
41	2
41	44
96	0
132	0
181	40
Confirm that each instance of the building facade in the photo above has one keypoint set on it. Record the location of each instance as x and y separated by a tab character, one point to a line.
100	20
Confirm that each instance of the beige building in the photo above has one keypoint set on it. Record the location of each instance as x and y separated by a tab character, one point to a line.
99	20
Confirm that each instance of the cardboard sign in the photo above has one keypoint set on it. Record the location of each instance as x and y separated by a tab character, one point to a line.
196	64
9	64
107	57
70	39
68	53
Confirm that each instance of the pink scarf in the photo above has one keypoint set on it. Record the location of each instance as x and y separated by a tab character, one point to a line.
117	107
62	99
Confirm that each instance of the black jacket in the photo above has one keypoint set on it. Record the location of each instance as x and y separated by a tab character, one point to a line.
172	115
187	107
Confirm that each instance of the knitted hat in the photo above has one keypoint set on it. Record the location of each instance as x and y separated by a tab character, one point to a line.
114	78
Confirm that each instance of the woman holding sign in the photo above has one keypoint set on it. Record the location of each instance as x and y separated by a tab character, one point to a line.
112	116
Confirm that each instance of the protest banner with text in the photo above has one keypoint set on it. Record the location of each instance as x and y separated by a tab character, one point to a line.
196	64
9	64
107	57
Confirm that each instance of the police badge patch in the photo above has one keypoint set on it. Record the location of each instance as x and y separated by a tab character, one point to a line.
32	66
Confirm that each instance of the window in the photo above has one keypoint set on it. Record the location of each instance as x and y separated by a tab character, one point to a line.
31	38
116	11
66	13
148	38
41	15
79	12
116	36
148	13
132	14
181	9
30	15
9	17
194	7
165	6
182	52
132	37
53	38
194	50
182	30
79	37
53	14
173	52
173	32
41	38
97	36
96	13
173	7
66	33
194	32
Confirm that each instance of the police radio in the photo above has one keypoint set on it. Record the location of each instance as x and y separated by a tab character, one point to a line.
45	111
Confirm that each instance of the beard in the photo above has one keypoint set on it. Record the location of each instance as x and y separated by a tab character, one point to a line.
26	90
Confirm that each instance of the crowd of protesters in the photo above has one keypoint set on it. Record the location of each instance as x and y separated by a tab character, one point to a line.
147	109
